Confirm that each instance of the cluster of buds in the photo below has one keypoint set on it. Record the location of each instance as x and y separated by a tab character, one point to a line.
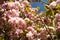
19	21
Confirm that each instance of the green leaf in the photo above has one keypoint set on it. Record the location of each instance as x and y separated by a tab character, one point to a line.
49	1
1	38
58	6
11	0
47	7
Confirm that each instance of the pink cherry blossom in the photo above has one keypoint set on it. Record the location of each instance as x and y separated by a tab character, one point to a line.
57	23
34	32
43	34
16	5
29	34
57	16
12	13
12	5
18	21
13	20
8	5
21	6
23	10
58	1
30	28
26	2
53	4
31	16
20	1
18	31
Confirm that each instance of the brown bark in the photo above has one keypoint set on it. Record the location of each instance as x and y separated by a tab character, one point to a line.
1	2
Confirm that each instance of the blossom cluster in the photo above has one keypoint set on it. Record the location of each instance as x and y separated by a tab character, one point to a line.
19	21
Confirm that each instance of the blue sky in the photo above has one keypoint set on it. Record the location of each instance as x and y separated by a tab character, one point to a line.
38	4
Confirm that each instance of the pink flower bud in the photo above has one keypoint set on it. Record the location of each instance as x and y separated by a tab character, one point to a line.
58	1
57	24
57	16
22	6
26	2
30	28
29	34
53	4
18	31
